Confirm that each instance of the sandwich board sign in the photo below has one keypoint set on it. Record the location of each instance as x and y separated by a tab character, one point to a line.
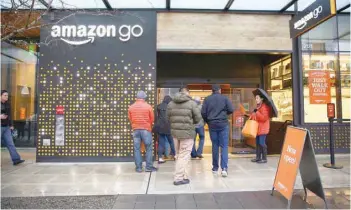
297	154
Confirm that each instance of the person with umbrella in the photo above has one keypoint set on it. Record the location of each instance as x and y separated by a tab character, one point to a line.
262	114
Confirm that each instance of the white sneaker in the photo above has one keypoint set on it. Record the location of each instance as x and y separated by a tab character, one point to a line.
215	172
224	173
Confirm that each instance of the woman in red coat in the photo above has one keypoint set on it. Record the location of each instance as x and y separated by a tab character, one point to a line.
262	115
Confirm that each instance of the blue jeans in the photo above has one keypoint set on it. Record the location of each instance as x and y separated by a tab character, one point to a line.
162	144
261	140
220	138
167	147
146	137
6	139
201	132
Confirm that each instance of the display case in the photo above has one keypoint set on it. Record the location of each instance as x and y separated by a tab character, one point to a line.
280	88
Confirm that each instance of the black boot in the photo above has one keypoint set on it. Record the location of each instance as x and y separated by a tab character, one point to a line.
258	157
264	154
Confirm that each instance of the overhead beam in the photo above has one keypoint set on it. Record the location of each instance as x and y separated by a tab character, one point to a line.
288	5
168	4
343	8
229	4
107	4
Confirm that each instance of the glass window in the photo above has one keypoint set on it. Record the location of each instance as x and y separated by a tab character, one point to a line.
18	69
269	5
137	3
319	86
345	84
198	4
280	88
322	38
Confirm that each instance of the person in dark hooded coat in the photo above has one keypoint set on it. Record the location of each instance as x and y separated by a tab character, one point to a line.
163	129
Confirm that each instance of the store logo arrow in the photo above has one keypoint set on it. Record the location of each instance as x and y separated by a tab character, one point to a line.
90	39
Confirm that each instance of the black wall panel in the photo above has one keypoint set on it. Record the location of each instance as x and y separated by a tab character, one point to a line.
95	77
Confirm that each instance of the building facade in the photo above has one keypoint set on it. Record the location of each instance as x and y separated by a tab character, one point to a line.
70	89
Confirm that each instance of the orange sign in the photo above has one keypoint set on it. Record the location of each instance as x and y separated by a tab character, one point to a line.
331	110
289	161
22	113
319	85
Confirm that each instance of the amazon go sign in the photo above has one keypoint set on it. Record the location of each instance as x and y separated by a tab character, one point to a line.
90	32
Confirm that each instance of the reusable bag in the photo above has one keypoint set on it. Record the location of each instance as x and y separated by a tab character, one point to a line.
250	128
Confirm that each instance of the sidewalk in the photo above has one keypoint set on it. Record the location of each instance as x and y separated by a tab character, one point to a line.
63	179
336	199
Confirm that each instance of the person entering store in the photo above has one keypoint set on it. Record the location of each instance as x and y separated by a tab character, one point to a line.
7	127
141	117
163	129
199	130
215	111
183	115
262	114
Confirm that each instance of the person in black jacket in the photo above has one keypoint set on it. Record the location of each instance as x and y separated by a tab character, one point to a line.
215	111
163	129
6	127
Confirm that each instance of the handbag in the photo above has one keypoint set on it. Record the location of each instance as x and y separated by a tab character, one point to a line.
250	128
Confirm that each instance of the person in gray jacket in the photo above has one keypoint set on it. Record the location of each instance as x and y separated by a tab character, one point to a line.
183	114
200	130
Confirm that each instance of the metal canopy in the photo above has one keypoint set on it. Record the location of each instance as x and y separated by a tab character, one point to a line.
270	6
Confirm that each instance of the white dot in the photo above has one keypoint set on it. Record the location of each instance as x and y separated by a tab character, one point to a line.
77	133
94	123
73	150
43	109
126	68
94	102
125	92
150	75
61	78
91	88
149	64
78	75
115	102
61	91
55	68
88	67
104	134
77	105
44	81
105	78
42	133
105	105
94	144
61	81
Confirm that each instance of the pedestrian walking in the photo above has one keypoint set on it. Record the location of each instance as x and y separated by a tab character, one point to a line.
215	111
183	115
199	130
7	127
163	129
141	117
262	114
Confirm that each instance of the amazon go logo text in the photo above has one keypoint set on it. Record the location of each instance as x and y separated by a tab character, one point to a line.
90	32
300	24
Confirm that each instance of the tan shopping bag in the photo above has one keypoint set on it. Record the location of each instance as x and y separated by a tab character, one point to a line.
250	128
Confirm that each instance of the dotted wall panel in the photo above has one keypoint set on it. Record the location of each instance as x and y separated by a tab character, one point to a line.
320	137
94	83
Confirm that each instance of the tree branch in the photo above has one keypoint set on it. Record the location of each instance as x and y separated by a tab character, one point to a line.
29	25
30	12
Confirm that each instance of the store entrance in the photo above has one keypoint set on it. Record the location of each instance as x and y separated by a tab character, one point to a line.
238	145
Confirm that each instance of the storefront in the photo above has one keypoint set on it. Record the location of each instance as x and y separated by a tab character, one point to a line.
70	96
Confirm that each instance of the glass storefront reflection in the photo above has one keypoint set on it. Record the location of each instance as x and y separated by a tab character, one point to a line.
18	70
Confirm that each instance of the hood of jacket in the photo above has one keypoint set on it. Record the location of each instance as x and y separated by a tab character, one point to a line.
167	99
181	98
